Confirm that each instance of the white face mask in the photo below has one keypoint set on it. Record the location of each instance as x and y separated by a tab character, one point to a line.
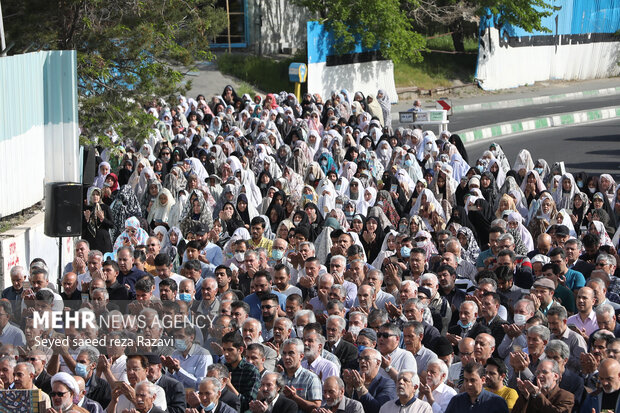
520	319
420	244
239	256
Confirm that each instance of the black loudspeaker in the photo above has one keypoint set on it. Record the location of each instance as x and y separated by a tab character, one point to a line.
63	209
89	168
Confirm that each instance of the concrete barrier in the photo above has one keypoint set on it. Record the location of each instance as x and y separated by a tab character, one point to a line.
22	244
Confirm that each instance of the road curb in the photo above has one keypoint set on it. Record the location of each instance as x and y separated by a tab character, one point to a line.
545	122
536	100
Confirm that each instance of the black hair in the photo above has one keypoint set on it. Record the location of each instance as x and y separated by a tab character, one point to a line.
162	259
234	338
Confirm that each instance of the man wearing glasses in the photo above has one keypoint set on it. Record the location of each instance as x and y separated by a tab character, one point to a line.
366	385
9	333
64	389
394	359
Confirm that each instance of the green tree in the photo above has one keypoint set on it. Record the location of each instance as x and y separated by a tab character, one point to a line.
381	23
457	16
127	51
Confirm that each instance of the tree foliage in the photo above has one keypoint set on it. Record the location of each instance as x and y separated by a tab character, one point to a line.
527	14
126	51
374	23
392	24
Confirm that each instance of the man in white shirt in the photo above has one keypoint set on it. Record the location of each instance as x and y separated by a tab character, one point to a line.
435	391
324	285
313	347
163	266
9	333
93	265
282	280
413	332
466	352
395	359
407	385
374	278
136	372
585	319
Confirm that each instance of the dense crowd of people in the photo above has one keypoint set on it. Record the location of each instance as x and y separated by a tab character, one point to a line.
268	255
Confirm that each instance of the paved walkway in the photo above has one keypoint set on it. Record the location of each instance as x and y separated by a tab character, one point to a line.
209	81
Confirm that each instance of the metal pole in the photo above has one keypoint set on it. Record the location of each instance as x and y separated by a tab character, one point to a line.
228	18
59	265
2	38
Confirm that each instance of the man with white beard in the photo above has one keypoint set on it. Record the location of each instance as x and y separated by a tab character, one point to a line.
546	396
269	397
435	391
64	389
334	399
313	346
407	386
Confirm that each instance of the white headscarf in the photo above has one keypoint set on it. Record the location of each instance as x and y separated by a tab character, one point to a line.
526	236
565	199
523	161
327	197
100	178
602	233
362	204
384	153
161	212
430	198
540	186
384	252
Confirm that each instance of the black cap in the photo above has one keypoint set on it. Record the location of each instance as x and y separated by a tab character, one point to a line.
369	333
562	230
200	228
153	358
424	291
443	347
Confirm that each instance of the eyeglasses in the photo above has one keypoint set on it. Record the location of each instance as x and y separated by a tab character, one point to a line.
58	393
385	335
267	307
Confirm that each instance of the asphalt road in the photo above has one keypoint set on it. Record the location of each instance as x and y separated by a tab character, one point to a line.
469	120
593	148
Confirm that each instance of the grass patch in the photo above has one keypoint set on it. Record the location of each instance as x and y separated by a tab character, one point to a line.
439	69
245	88
264	73
445	43
436	70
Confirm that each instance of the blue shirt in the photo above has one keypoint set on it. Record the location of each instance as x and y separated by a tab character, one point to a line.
254	302
574	279
485	403
213	253
483	256
130	278
380	391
